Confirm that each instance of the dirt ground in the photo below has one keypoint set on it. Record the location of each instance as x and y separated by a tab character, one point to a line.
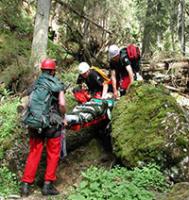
70	168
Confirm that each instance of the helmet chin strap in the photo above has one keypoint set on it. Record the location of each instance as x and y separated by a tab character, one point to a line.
53	72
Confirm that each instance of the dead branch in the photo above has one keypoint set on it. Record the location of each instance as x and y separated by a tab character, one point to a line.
174	89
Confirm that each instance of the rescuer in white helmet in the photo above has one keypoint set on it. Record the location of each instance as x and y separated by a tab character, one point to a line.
96	82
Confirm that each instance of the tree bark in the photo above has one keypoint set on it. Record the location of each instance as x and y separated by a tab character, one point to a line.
54	22
181	25
40	36
147	30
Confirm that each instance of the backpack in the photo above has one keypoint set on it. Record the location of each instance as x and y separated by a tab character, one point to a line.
102	73
133	52
37	114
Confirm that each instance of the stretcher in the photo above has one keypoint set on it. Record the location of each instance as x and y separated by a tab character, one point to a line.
78	127
96	111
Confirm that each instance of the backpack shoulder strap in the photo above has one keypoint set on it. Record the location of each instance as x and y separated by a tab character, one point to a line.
51	82
123	52
101	72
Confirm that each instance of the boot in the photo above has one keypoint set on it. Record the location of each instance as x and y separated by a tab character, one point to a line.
49	189
25	189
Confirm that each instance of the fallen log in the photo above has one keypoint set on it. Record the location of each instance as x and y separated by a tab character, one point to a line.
175	75
174	89
168	60
164	66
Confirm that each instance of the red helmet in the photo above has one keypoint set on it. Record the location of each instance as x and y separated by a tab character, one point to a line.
48	64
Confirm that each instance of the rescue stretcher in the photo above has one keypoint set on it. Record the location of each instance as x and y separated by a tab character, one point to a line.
89	114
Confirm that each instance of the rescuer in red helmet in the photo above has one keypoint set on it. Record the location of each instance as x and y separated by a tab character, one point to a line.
43	118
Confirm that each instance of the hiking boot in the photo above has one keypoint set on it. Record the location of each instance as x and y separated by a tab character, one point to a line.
49	189
25	189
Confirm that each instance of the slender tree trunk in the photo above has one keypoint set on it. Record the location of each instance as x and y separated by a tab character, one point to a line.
54	22
147	29
173	12
40	36
159	41
181	25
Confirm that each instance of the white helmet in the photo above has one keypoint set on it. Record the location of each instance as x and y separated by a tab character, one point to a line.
113	51
83	67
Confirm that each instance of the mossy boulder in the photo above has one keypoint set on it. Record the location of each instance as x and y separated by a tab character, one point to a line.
149	126
180	191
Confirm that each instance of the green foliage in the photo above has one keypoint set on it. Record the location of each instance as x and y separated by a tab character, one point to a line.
10	51
158	19
124	21
14	17
4	92
120	183
14	58
15	34
55	51
70	101
8	123
8	118
70	77
8	182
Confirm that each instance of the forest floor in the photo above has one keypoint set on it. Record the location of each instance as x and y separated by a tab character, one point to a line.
69	171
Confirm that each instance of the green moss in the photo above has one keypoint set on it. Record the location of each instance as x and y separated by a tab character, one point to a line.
180	191
182	141
142	122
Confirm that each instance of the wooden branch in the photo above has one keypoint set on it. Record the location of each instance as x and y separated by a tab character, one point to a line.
174	89
65	5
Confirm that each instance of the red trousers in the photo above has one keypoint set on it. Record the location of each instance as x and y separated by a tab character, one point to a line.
53	147
125	82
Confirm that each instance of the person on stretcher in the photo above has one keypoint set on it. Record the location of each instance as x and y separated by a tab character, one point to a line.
92	110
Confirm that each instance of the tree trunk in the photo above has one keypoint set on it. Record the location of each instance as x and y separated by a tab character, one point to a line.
147	30
40	36
55	24
173	13
181	25
159	41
